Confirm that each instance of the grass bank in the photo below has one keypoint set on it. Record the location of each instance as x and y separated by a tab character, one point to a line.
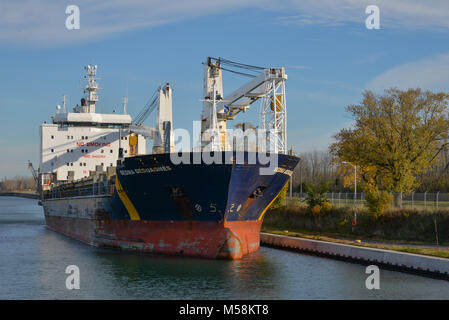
405	230
441	252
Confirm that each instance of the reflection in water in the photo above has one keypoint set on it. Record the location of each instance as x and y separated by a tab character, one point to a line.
34	259
166	277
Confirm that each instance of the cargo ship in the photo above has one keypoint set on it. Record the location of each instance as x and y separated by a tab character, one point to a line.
100	186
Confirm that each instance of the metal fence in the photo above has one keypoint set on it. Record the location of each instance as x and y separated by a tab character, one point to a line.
424	200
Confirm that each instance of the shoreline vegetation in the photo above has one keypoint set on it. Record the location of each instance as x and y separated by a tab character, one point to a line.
18	184
404	230
396	145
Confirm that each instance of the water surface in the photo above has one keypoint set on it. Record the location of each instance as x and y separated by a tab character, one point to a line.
33	260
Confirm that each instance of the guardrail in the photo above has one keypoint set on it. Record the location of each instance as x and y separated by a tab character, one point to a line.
99	188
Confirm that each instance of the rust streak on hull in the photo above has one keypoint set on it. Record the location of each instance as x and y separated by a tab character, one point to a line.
225	240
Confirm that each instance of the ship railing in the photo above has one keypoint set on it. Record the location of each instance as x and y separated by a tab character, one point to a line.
95	189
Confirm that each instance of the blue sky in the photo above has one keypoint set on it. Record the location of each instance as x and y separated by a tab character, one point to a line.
329	55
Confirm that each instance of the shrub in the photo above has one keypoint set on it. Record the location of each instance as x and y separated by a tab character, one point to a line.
316	194
326	207
280	200
403	225
377	202
316	210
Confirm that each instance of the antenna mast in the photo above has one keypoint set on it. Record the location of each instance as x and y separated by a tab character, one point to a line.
125	103
63	104
91	87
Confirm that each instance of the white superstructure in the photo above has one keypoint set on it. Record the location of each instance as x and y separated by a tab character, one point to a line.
78	143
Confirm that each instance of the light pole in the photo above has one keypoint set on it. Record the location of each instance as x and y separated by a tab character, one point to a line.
291	177
300	178
354	222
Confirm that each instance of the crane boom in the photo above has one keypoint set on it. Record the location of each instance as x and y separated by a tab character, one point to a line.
241	98
269	86
145	131
35	176
162	135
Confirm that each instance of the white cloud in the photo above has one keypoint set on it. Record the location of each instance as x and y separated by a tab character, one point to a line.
43	21
430	73
393	14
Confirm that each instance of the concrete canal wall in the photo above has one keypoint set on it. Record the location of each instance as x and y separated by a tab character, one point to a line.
20	194
395	260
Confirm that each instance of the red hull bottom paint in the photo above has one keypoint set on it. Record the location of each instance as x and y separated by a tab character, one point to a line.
226	240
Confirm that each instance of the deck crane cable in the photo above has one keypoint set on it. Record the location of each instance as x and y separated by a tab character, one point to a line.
238	65
240	73
148	108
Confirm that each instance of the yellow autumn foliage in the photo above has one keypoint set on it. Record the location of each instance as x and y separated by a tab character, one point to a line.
395	137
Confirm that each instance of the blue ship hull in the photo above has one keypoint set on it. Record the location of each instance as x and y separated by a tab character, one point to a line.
159	190
197	209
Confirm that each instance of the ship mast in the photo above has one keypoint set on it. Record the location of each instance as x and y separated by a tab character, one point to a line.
91	87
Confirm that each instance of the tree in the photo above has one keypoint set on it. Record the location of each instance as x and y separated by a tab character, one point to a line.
316	194
279	202
395	137
315	167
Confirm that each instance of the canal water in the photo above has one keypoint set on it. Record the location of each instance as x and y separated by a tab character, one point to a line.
33	261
